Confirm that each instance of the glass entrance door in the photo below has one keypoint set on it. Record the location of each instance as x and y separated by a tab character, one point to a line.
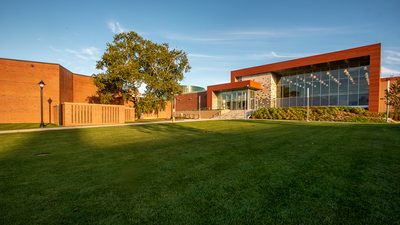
236	100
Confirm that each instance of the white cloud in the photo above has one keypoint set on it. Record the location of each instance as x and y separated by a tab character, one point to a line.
55	49
246	34
115	27
208	69
386	72
90	53
190	38
244	57
392	52
257	33
391	57
272	54
204	56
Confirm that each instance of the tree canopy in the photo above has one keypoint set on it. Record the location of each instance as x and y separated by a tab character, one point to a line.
131	61
393	96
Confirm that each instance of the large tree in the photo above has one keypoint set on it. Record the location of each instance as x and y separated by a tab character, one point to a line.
393	96
131	61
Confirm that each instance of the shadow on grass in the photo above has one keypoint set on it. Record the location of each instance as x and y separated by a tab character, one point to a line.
18	126
318	123
213	172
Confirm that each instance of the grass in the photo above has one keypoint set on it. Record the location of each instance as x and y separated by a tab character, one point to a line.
211	172
17	126
153	120
148	120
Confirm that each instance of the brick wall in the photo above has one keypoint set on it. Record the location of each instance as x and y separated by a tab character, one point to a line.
190	101
66	85
20	92
84	89
382	88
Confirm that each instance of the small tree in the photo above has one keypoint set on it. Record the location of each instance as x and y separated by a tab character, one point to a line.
393	96
131	61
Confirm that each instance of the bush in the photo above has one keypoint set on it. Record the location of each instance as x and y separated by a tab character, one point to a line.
394	116
357	110
323	113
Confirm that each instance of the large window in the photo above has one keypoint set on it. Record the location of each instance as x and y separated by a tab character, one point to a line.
340	86
237	100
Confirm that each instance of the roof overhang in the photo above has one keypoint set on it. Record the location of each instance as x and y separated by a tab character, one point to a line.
247	84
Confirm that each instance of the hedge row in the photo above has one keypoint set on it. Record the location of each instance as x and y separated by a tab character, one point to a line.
346	114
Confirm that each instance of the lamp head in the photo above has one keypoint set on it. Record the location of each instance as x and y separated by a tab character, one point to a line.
41	84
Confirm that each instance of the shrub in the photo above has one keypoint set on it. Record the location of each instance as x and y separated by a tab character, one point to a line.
347	114
357	110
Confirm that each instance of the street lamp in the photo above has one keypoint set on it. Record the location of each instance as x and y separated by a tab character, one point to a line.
41	85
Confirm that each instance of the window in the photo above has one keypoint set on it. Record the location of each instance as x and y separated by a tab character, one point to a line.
342	85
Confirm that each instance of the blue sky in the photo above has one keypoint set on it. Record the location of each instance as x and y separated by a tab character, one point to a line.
219	36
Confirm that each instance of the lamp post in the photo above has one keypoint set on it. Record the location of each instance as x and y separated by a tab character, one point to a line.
173	107
41	85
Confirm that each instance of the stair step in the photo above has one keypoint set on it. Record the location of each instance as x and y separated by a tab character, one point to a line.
235	114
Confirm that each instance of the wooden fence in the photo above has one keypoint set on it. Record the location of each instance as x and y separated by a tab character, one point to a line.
77	114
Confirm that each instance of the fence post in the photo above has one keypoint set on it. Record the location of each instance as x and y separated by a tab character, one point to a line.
199	107
66	114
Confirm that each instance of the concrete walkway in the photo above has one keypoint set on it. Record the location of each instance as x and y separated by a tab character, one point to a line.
98	126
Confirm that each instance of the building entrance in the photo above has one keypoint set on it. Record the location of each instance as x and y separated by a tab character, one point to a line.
236	100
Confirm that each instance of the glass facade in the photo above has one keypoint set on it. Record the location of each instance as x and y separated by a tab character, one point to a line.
236	100
341	86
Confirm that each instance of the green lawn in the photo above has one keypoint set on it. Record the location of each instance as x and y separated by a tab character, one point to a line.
17	126
213	172
148	120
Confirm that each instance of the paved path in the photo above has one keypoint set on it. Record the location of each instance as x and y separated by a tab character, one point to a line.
97	126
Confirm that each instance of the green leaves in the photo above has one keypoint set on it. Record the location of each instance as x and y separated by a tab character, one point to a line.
131	61
393	96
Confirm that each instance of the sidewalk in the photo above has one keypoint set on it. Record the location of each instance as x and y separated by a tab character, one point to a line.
98	126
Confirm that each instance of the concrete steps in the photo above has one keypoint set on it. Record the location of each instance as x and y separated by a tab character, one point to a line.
234	115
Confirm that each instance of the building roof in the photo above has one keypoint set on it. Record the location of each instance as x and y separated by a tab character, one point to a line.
390	78
31	61
368	50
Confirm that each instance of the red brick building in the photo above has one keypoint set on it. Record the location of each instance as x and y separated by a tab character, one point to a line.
383	85
20	92
343	78
190	101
